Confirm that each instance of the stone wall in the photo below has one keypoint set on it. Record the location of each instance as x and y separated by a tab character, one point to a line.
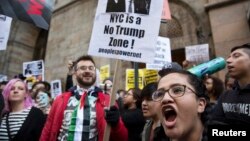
20	48
229	26
72	22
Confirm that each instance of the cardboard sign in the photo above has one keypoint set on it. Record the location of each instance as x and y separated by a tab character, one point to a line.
5	24
130	79
162	54
104	72
197	54
56	86
123	34
150	76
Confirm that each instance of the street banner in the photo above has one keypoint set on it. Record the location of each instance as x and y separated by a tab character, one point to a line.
125	31
5	24
166	15
150	76
197	53
104	72
37	12
162	54
130	78
3	78
56	86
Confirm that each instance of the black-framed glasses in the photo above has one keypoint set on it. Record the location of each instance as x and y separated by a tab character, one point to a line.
174	91
84	68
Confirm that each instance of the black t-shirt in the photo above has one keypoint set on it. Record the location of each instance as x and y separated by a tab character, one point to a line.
233	106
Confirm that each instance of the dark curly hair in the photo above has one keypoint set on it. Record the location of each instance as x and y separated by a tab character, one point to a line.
137	96
218	86
199	88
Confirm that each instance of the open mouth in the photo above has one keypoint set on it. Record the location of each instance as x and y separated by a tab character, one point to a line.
170	116
229	67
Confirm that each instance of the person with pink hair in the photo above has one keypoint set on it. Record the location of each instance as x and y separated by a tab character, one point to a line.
20	121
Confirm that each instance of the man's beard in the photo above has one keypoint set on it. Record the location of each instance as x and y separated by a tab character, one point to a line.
86	84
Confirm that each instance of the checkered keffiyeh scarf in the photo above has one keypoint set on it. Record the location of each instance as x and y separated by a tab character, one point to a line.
79	128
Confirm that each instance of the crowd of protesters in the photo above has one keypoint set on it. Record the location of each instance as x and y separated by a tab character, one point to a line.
180	106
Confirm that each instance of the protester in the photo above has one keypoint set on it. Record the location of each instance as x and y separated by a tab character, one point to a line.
43	100
183	105
69	79
20	76
107	85
1	105
132	115
21	121
40	85
232	105
214	87
119	100
79	114
229	82
2	85
152	128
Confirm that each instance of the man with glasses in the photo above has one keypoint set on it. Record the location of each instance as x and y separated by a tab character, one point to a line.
183	103
79	114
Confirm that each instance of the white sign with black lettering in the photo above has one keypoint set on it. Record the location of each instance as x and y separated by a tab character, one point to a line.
162	54
5	24
126	30
56	86
33	68
197	53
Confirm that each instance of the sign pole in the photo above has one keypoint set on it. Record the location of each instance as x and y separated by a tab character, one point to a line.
136	74
112	100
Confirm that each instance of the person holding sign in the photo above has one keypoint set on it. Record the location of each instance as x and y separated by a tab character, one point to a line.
79	113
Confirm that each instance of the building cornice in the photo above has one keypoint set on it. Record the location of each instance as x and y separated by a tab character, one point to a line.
213	4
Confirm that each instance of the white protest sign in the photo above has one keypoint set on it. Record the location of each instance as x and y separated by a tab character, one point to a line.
197	53
34	68
5	24
56	88
123	35
3	78
162	54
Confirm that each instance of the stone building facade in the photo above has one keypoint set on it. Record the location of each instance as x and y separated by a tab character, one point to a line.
221	23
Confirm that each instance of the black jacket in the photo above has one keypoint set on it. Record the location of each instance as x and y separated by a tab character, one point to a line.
32	126
134	122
